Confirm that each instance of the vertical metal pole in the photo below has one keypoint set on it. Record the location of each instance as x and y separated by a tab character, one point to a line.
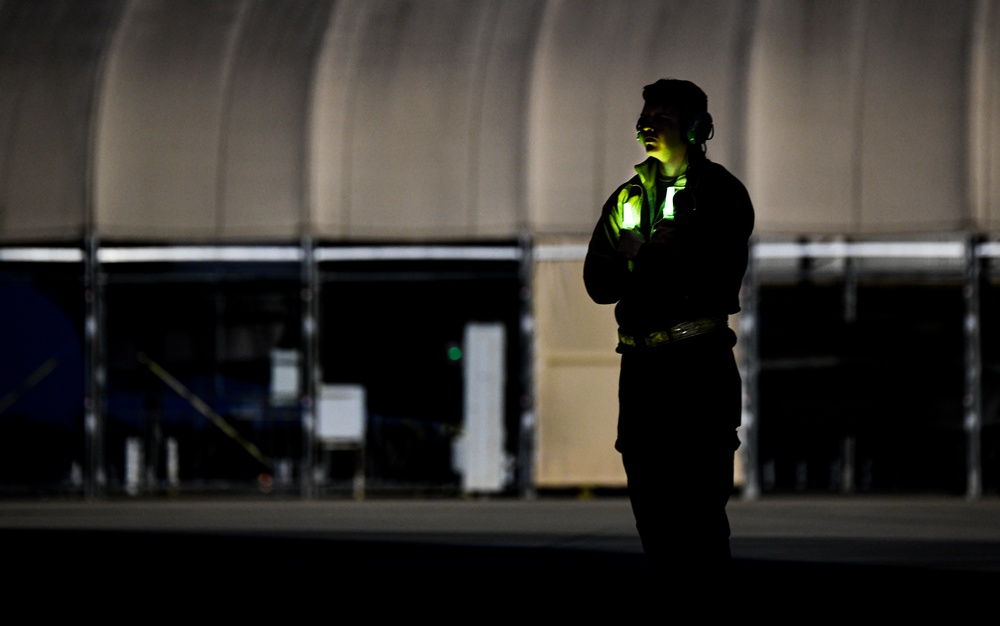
310	366
526	429
973	399
849	443
95	479
850	288
749	366
154	443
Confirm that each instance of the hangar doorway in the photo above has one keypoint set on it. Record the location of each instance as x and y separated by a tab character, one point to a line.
184	335
397	329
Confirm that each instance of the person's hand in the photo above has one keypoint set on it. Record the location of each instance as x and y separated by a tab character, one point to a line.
663	231
629	243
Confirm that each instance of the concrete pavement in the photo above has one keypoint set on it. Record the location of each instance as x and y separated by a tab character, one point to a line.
837	549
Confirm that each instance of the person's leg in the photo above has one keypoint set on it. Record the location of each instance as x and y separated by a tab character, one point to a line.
679	495
677	435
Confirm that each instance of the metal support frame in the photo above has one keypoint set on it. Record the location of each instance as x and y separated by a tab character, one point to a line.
974	250
973	399
848	445
95	477
310	366
749	368
526	429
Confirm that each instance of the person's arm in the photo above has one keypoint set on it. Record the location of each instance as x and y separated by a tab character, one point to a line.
606	267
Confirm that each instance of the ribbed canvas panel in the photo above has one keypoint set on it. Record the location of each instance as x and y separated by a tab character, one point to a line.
159	134
984	124
593	60
49	57
915	95
413	121
265	124
805	104
404	94
859	113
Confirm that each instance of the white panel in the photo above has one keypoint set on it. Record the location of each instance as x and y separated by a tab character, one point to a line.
285	385
341	414
481	447
135	465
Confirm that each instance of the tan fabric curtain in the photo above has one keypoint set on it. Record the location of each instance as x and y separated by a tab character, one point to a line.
577	377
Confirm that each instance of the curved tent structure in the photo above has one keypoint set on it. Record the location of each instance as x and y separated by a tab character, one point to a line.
389	122
397	121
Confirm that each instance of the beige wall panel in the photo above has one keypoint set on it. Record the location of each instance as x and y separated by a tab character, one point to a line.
577	373
407	80
159	131
49	57
984	126
576	436
484	119
594	57
329	118
568	320
571	320
572	85
804	109
577	377
263	157
913	133
418	120
500	193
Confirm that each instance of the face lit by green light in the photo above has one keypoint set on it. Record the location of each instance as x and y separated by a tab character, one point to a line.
659	130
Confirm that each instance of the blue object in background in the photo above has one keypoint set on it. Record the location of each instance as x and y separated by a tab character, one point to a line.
41	358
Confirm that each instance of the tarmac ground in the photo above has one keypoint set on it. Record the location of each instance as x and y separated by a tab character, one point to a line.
399	557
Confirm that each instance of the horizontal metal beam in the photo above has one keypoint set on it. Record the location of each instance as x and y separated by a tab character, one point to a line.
954	250
420	253
258	254
871	250
41	255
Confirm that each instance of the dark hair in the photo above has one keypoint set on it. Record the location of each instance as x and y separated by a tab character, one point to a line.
687	97
690	102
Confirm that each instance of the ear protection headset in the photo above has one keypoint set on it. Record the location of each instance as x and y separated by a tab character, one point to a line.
700	129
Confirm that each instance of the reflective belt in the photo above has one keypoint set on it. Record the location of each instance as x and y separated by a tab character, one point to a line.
684	330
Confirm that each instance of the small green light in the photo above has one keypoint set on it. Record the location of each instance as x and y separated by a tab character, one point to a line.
454	353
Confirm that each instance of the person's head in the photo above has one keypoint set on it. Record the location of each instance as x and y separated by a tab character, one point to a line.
674	117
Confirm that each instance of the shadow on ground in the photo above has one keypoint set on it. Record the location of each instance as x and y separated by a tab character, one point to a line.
408	578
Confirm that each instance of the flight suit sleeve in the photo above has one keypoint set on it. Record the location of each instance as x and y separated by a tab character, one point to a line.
605	270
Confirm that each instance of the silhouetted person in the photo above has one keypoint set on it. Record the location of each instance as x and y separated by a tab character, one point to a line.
671	249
